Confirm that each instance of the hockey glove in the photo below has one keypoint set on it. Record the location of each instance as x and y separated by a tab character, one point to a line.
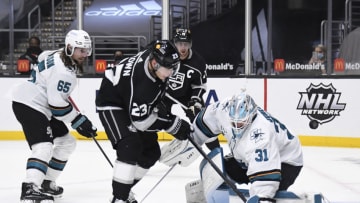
194	108
180	129
84	126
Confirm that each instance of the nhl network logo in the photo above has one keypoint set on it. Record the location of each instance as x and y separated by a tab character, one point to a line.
320	103
144	8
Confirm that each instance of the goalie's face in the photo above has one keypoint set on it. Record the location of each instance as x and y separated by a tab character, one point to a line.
238	126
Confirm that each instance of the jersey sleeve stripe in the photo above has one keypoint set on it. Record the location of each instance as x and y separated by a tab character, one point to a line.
273	175
60	111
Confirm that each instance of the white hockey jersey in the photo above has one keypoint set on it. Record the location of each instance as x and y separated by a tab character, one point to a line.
49	87
264	145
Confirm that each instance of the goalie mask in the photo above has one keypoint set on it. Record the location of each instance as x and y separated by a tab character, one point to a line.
242	110
79	39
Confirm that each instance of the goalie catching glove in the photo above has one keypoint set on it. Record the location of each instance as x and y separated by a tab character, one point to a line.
178	152
194	107
84	126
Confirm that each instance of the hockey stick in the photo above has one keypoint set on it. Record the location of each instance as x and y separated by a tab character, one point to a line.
176	101
172	167
93	137
231	184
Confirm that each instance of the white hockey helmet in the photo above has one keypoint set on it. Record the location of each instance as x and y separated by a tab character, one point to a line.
242	110
77	38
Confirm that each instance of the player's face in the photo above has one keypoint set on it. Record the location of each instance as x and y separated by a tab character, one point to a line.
163	73
80	54
183	49
238	124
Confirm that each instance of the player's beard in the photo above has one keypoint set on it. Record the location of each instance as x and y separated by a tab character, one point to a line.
80	61
79	64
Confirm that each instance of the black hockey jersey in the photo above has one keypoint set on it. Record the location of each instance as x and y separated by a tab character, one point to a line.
129	86
190	81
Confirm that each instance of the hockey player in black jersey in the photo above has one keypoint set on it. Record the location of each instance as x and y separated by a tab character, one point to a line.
129	108
188	85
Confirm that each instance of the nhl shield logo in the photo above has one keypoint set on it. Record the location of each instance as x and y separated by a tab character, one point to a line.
320	103
176	82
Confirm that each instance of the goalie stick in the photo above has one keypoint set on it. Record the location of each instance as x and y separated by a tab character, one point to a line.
231	184
97	143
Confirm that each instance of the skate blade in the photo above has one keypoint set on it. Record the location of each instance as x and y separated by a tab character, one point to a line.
37	201
54	196
57	196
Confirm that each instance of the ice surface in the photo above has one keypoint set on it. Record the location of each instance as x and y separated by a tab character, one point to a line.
334	172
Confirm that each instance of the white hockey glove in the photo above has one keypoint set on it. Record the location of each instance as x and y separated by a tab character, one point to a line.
178	152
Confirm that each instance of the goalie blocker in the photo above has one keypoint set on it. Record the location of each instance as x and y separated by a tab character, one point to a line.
212	189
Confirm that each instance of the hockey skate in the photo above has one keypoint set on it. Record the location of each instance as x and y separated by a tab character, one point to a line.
30	193
131	198
114	200
50	188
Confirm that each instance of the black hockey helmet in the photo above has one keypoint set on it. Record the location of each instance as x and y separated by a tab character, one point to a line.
165	54
182	35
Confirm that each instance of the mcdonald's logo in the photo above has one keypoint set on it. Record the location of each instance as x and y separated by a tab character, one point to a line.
23	65
339	65
100	65
279	65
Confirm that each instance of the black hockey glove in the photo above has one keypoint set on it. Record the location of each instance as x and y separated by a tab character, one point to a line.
180	129
194	107
84	126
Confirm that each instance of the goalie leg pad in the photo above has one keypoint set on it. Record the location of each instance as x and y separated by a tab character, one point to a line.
212	180
287	196
195	192
220	195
